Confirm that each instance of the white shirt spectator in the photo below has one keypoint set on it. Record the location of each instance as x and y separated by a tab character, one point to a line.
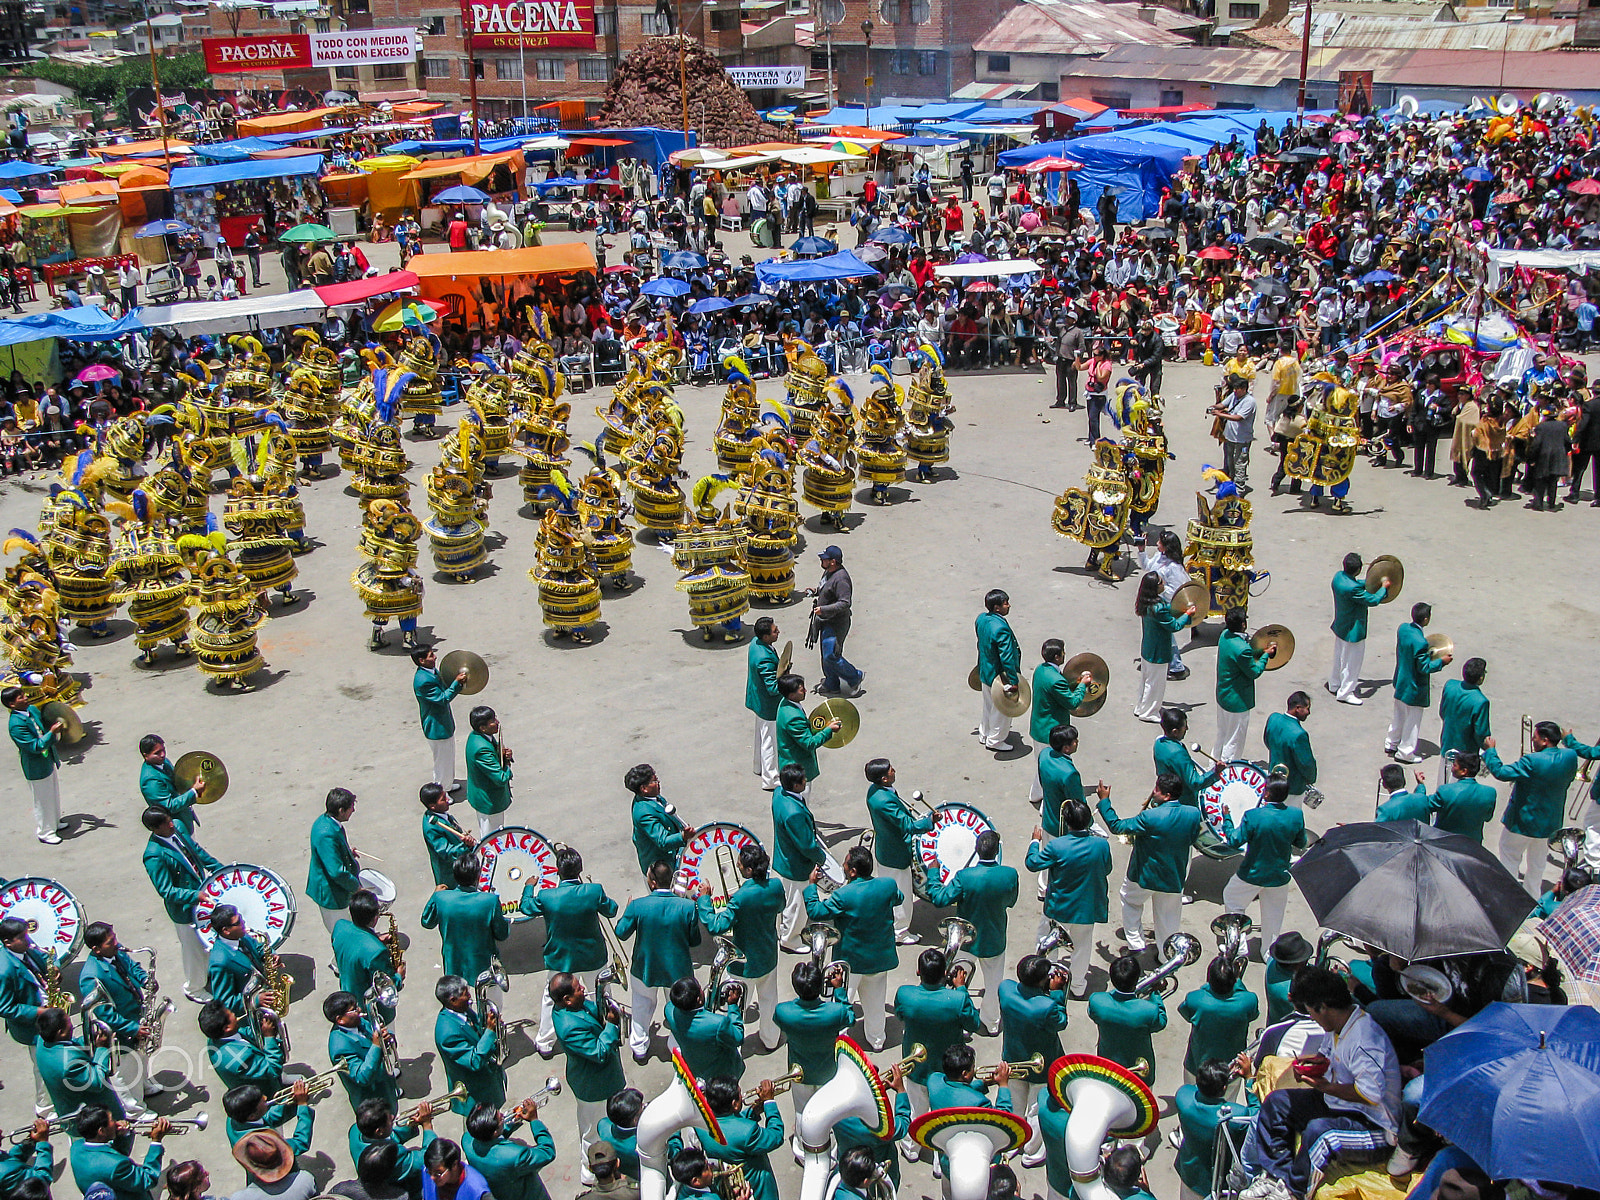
1245	430
1362	1055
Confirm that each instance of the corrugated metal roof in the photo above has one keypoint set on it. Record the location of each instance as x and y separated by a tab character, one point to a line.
1081	27
1336	29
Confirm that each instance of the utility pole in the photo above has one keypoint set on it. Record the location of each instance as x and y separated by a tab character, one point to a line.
155	82
866	31
1305	58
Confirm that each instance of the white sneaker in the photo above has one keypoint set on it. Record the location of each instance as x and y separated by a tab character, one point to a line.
1408	758
50	839
152	1088
1352	698
1401	1164
910	1150
1266	1187
1033	1160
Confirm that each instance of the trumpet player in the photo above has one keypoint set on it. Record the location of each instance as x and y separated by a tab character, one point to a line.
123	980
375	1126
333	876
1414	662
956	1084
356	1042
236	1056
812	1024
708	1038
574	942
1219	1015
694	1174
592	1037
1127	1022
509	1165
236	958
250	1110
1033	1011
1077	865
1159	865
895	829
469	921
465	1040
658	832
177	866
1536	808
665	928
983	894
749	1135
488	770
862	909
1269	835
761	698
360	951
935	1012
78	1072
442	834
1239	665
97	1157
750	918
30	1161
796	849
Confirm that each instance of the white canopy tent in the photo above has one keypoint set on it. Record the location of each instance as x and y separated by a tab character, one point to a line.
235	316
982	270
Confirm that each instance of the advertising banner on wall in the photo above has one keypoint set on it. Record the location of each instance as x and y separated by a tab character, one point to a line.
750	78
301	51
529	24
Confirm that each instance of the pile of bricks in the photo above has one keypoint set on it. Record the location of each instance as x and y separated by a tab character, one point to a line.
647	90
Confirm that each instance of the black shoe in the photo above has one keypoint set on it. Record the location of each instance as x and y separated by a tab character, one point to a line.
1058	406
1176	676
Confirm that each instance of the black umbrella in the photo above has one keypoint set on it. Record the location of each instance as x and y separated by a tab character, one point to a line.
1156	233
1268	285
1412	890
1268	244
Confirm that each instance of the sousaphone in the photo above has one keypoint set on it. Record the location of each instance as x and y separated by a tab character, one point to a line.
477	670
198	764
1094	697
72	725
1268	634
1386	564
849	721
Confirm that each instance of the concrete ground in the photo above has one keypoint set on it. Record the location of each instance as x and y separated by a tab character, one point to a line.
328	712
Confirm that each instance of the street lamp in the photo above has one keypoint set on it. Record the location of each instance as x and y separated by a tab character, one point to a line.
866	32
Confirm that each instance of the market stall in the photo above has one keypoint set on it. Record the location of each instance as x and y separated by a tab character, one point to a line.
231	197
498	174
480	284
234	316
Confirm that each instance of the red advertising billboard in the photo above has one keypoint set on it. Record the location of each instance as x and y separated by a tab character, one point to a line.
529	24
264	52
299	51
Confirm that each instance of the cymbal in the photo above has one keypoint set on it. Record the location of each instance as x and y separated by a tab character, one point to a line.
973	681
1386	564
1094	697
786	658
198	764
849	721
477	670
1440	644
1196	593
59	710
1274	633
1011	706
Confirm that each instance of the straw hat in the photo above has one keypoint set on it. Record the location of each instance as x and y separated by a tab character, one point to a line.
265	1155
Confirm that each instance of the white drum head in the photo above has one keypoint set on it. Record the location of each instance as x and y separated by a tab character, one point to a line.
53	915
263	897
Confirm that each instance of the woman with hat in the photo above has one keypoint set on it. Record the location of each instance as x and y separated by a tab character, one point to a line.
268	1163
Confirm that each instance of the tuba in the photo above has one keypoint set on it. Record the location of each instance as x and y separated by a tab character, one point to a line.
1181	950
1104	1100
681	1106
94	1027
1570	842
1233	940
721	992
819	937
856	1090
956	933
1054	937
496	977
1325	941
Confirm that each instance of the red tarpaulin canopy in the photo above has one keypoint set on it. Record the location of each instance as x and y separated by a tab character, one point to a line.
599	141
364	289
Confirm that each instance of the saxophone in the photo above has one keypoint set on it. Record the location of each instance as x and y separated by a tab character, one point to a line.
55	995
153	1008
397	956
272	994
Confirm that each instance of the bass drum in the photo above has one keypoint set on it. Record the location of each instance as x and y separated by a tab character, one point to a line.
1238	787
53	915
711	855
949	846
509	859
263	897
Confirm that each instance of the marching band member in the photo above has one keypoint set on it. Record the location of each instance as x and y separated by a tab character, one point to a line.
1219	1014
250	1110
1400	804
797	741
22	997
1463	805
374	1126
894	839
592	1038
747	1137
488	770
465	1039
858	1170
510	1166
1059	783
573	941
359	951
1464	710
1537	806
983	894
1126	1021
333	876
445	1176
236	1056
1199	1107
1033	1011
1351	606
31	1160
812	1024
77	1073
1269	834
708	1039
470	922
1077	865
936	1014
95	1157
761	697
442	834
664	928
236	958
692	1172
862	909
36	747
177	866
852	1136
1288	954
1414	661
1157	645
620	1127
1167	562
750	918
433	707
357	1043
159	787
1171	755
1159	865
998	656
113	968
1124	1174
658	832
1052	1124
1591	818
796	849
1055	699
956	1085
1289	746
1238	666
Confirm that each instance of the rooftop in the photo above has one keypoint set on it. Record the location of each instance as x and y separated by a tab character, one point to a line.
1082	27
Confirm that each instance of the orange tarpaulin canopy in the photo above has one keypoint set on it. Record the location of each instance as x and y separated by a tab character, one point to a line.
414	108
857	133
142	176
87	189
287	122
437	269
151	146
470	169
344	189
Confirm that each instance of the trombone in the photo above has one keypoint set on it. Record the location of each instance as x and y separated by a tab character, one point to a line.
179	1124
619	952
318	1087
1025	1068
779	1085
412	1115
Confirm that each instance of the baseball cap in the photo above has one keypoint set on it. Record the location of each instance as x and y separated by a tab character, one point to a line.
834	553
602	1154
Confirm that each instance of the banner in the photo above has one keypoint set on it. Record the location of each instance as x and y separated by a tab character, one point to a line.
302	51
1355	92
768	77
529	24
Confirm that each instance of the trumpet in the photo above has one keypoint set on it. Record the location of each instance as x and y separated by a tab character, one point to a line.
919	1053
780	1085
53	1126
179	1124
412	1115
1181	950
550	1090
1025	1068
319	1087
957	933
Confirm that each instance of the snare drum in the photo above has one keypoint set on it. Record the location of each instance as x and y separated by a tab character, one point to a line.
510	858
952	843
711	855
832	870
263	897
53	915
1237	788
379	884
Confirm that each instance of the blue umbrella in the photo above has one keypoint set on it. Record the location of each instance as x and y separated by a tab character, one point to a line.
1476	175
813	245
683	260
710	304
664	287
892	235
1518	1089
461	194
162	228
750	300
1379	277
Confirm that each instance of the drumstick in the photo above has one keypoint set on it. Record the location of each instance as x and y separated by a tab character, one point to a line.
364	854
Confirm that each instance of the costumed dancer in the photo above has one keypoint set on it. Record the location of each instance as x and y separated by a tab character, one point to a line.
311	400
420	399
928	409
279	478
1144	450
656	457
707	550
601	509
455	532
37	651
828	459
569	585
770	513
257	515
542	427
145	558
179	491
489	401
380	474
807	384
1325	453
1221	548
237	409
231	610
357	406
881	453
388	582
120	449
1097	513
77	546
741	417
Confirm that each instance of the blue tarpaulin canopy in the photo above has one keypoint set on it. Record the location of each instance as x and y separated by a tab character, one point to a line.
843	265
235	151
86	324
1135	170
256	168
22	170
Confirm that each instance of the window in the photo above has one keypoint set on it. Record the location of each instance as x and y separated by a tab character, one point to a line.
346	73
998	64
900	62
391	71
1170	97
594	69
1050	92
436	68
927	62
436	26
797	8
357	6
1244	12
724	21
507	68
655	24
605	22
549	68
889	11
819	60
1113	99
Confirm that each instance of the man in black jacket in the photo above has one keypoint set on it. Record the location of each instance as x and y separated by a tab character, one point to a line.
830	624
1586	450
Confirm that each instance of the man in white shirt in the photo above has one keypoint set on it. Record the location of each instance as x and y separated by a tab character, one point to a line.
1237	408
128	282
1348	1101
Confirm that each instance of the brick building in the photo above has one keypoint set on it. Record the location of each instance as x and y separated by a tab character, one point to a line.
921	49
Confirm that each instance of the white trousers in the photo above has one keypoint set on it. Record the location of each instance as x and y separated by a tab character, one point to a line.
1524	857
331	917
793	918
993	726
1025	1104
1166	909
128	1080
872	990
1152	690
546	1040
1405	727
196	960
642	1003
902	911
765	992
993	971
765	761
46	803
589	1114
489	822
1036	789
1232	730
1346	671
42	1104
444	760
1237	895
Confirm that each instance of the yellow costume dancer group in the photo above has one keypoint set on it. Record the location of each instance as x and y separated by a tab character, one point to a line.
1325	454
709	551
881	450
767	506
387	581
569	583
224	632
928	409
828	459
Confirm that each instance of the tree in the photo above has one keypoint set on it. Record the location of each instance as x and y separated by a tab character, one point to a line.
113	84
